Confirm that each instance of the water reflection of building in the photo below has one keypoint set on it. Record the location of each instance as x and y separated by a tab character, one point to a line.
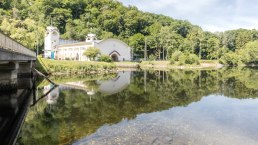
116	84
52	97
108	87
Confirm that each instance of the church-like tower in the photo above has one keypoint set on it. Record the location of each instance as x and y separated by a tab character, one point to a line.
91	38
51	42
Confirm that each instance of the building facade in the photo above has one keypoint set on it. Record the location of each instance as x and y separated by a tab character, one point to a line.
73	50
51	41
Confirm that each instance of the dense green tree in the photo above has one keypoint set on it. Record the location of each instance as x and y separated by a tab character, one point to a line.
137	43
170	40
25	31
242	37
250	53
195	36
60	17
109	18
92	53
213	48
186	46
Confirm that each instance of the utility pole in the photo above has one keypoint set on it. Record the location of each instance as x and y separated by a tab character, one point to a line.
37	41
163	53
132	54
145	81
37	45
200	51
51	21
145	50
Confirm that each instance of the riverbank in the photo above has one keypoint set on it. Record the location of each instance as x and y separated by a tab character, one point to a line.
60	67
165	65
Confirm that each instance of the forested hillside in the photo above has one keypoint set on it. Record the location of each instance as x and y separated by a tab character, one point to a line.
26	20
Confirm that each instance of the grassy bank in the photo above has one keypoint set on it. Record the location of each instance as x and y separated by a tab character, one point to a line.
127	66
58	67
166	65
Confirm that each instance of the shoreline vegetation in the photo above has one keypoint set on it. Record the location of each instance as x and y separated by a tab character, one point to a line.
66	67
164	65
63	67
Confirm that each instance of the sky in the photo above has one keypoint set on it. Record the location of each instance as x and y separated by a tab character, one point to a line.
211	15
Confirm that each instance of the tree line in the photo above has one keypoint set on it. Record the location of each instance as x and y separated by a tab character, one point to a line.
26	20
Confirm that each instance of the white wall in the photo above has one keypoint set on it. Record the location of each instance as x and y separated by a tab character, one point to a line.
110	45
107	47
71	52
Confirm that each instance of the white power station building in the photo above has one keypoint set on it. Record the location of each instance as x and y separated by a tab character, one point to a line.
57	48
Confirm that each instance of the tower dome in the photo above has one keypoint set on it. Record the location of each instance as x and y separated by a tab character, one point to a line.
91	38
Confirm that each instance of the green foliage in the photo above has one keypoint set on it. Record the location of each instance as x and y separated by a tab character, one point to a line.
152	57
105	58
247	55
26	20
184	58
251	49
230	59
236	39
175	56
25	31
192	59
73	67
186	46
213	48
92	53
61	16
137	42
221	52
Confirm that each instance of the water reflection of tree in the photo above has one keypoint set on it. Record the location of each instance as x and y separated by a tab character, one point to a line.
76	116
91	84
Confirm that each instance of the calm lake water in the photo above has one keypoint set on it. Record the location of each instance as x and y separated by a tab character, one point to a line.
218	107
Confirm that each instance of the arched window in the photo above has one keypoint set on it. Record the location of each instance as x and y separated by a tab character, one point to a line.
54	33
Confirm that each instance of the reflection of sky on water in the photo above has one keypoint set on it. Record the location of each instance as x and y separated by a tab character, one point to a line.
213	120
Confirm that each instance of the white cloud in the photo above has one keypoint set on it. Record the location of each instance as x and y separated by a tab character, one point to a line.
212	15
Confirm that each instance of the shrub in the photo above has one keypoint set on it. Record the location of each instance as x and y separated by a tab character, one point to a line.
172	61
105	58
182	59
186	58
92	52
175	56
247	55
231	58
152	57
192	59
